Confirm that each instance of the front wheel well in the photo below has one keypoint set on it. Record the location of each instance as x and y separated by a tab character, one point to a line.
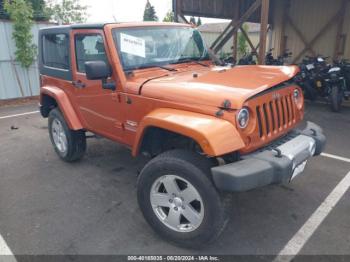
157	140
47	104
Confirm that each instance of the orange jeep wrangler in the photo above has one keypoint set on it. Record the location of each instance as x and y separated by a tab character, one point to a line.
208	128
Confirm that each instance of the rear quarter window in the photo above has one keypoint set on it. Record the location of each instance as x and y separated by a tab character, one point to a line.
56	51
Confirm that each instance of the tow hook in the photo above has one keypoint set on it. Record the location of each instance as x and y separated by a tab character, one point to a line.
279	152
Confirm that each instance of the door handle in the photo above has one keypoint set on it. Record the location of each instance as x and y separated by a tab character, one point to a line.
78	84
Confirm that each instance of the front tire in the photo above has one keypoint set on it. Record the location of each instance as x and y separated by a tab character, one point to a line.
336	98
70	145
179	201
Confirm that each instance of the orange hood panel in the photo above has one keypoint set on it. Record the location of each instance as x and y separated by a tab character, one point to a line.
214	85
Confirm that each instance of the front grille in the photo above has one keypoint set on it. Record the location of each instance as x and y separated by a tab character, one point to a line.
276	115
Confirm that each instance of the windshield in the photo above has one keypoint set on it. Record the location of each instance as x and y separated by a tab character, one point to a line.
143	47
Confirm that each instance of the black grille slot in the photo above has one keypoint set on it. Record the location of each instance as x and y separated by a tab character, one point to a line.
292	109
287	106
272	116
266	119
278	114
259	120
283	112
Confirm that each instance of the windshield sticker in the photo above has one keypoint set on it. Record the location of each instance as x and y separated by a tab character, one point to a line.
132	45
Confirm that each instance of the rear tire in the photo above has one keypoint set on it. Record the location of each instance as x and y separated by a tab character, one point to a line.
70	145
207	215
310	92
336	98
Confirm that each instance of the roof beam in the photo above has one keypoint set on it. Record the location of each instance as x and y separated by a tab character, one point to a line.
235	35
265	6
283	37
227	34
340	27
244	33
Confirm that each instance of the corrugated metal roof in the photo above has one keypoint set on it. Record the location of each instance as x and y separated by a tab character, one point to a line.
217	8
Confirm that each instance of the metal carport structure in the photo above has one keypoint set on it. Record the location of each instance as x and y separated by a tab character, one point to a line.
302	26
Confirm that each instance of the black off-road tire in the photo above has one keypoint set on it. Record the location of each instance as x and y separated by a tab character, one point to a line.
195	169
336	98
76	140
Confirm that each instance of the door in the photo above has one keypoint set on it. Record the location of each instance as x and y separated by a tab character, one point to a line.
98	107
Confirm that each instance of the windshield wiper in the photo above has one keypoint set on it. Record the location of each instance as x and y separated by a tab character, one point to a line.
159	66
187	59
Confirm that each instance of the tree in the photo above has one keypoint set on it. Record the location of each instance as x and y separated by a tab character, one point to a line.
3	13
67	11
199	21
169	17
21	13
149	13
242	42
193	20
40	10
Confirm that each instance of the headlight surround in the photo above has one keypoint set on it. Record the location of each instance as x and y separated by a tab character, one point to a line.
298	98
296	94
242	118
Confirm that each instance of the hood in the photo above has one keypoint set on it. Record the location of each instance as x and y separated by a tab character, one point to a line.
217	84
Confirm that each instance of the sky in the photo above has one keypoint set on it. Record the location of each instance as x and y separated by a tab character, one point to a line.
127	10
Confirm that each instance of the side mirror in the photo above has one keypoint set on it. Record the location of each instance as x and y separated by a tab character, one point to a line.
99	70
96	70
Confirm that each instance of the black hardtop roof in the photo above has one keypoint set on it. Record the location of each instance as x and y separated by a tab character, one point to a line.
75	26
67	28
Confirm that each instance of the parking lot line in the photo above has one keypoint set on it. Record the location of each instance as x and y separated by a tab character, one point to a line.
22	114
6	251
297	242
336	157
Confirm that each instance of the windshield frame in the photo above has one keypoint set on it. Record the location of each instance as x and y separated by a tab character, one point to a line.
204	57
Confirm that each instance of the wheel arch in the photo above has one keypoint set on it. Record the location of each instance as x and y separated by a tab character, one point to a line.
216	137
51	97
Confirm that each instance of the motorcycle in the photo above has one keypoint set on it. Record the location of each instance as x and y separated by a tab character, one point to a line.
280	60
344	64
316	69
305	80
329	82
335	87
269	58
247	59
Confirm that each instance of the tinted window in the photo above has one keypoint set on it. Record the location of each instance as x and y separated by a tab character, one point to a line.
56	51
89	48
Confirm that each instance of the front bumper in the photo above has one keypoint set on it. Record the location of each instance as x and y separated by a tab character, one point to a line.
274	165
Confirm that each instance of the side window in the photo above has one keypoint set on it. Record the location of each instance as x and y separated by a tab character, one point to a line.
55	51
89	48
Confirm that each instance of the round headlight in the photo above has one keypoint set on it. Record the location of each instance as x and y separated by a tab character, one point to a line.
243	118
296	93
298	98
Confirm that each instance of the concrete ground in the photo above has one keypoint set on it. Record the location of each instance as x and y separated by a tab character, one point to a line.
51	207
